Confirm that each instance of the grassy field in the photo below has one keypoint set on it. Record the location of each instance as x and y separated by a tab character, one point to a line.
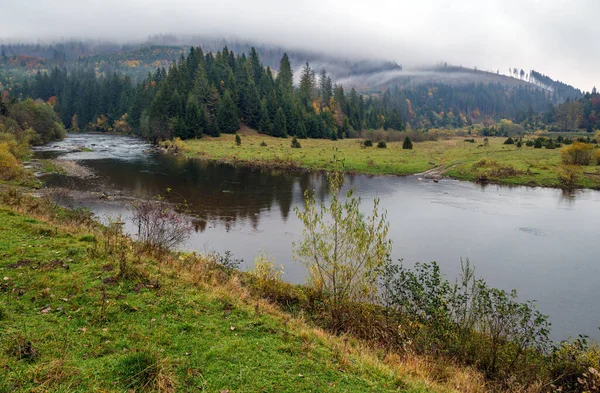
505	164
72	322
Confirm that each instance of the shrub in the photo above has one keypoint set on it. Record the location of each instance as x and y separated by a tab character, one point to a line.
159	225
470	140
10	167
538	144
407	144
263	144
509	141
381	145
295	143
519	143
342	248
238	140
550	144
529	143
368	143
578	153
568	178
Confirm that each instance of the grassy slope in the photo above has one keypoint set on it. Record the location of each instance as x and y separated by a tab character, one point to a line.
201	337
455	156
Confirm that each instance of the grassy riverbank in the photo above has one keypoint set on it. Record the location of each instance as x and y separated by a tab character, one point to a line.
495	163
83	310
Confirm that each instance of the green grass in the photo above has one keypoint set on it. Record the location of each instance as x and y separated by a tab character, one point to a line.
454	157
69	324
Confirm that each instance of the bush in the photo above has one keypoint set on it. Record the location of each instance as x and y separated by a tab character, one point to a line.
578	153
509	141
263	144
159	225
381	145
238	140
10	167
342	248
470	140
519	143
529	143
407	144
295	143
538	144
368	143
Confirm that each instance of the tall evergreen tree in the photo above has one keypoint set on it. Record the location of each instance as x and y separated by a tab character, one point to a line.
279	124
227	116
285	76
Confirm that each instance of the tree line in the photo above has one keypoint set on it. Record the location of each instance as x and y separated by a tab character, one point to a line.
212	93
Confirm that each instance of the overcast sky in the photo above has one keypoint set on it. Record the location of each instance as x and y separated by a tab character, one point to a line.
560	38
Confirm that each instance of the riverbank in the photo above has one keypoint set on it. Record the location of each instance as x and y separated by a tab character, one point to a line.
86	310
491	162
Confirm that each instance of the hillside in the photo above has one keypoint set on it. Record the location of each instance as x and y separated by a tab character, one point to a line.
85	310
365	74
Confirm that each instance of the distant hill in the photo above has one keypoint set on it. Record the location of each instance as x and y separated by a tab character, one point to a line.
366	75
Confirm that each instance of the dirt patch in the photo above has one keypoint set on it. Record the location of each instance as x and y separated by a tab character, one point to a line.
55	264
108	267
21	263
110	280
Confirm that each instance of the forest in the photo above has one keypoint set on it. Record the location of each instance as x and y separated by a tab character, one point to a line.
209	93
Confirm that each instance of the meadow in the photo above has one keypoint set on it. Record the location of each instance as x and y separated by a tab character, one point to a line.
85	310
492	162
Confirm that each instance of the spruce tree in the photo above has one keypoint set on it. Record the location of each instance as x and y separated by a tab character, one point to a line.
227	117
285	76
407	144
279	125
264	125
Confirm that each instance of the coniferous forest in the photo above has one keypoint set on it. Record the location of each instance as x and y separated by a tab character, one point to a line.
213	93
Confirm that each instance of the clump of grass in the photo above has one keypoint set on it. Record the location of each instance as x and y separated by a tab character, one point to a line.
87	238
144	371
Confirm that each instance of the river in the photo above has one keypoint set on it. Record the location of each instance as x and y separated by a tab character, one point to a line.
542	242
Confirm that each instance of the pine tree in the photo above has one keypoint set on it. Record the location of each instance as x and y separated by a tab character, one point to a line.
307	85
407	144
285	76
264	125
227	117
279	125
194	118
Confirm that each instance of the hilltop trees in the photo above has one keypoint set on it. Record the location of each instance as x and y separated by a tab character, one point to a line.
212	93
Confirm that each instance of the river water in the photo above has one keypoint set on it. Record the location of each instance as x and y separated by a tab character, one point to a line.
542	242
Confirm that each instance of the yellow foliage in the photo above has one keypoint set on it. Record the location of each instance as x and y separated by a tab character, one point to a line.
132	63
577	154
265	270
10	167
122	125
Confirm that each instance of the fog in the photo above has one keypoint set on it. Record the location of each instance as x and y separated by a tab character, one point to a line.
556	37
